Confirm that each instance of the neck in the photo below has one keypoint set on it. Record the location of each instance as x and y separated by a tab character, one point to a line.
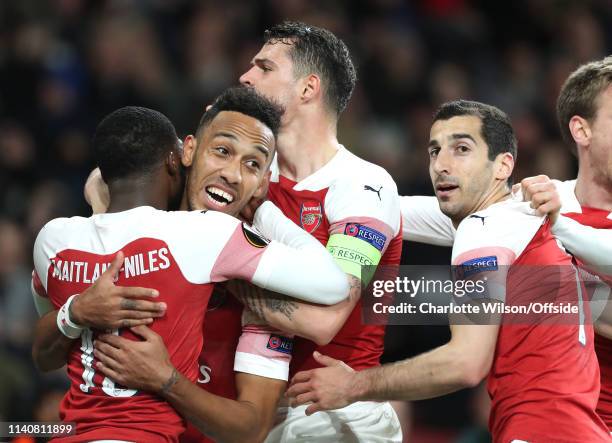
305	145
132	192
184	205
591	191
497	194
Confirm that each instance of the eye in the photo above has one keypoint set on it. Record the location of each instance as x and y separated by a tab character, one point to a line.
253	164
433	152
221	150
463	148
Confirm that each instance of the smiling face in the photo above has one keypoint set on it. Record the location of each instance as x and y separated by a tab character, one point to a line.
228	163
460	170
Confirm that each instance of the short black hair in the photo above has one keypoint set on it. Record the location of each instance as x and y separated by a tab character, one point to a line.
249	102
319	51
496	129
132	141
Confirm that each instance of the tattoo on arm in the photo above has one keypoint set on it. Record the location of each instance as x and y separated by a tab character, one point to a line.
280	303
165	389
354	287
263	302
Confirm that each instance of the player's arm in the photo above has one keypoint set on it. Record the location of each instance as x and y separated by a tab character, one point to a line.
318	323
103	305
592	246
362	225
145	365
461	363
424	222
249	418
286	264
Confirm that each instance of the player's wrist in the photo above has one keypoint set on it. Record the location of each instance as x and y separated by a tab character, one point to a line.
75	311
358	386
168	380
65	323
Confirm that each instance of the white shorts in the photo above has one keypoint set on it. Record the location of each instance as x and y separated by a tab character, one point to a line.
367	422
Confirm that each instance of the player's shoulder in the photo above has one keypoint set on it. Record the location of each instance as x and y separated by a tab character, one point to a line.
356	169
359	180
508	215
510	223
60	228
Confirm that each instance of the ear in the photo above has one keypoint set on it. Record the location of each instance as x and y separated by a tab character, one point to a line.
262	190
173	163
190	145
505	166
580	130
311	87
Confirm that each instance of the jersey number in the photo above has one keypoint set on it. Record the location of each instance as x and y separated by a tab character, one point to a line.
87	357
581	330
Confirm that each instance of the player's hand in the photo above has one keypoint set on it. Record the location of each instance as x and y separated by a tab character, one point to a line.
542	193
106	306
144	365
326	388
96	192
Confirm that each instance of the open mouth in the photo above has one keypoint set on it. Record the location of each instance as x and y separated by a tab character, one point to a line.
445	189
218	196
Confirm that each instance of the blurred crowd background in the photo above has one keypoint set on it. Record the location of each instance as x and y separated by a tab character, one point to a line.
64	64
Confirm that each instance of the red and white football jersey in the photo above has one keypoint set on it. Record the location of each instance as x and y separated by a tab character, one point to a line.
544	381
179	253
230	347
600	219
345	193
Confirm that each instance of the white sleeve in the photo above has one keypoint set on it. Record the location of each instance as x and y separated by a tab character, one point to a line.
592	246
370	195
295	263
41	301
424	222
272	223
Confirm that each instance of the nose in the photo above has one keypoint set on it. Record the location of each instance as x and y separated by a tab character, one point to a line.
232	172
246	78
442	162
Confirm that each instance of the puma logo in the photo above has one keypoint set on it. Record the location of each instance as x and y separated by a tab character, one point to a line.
478	216
370	188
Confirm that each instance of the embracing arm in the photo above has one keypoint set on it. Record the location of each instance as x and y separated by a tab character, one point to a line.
283	263
50	347
314	322
145	365
247	419
424	222
103	305
592	246
461	363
